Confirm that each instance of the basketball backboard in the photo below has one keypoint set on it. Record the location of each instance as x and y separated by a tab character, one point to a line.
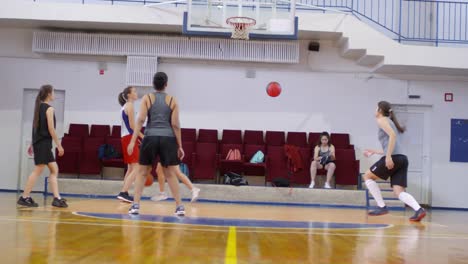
275	19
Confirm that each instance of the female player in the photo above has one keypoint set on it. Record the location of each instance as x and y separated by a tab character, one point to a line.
42	136
126	99
162	138
394	164
324	157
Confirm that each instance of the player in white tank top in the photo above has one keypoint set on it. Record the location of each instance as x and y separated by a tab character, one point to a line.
127	116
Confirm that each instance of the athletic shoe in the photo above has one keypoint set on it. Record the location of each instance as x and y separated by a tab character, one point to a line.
327	186
59	203
160	197
134	209
180	210
124	197
418	215
311	186
29	202
379	211
195	192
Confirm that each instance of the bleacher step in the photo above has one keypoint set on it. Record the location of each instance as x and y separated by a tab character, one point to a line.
225	193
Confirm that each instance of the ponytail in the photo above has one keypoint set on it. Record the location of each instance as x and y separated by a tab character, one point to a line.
41	96
122	99
400	128
36	111
385	108
123	96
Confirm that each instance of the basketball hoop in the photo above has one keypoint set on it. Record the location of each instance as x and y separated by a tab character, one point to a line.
241	26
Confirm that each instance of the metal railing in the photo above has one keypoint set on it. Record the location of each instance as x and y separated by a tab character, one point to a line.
431	22
423	21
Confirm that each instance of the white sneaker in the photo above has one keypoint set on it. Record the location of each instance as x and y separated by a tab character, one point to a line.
311	186
327	186
195	192
134	209
160	197
180	210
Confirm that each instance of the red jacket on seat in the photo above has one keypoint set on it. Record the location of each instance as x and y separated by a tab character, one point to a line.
294	157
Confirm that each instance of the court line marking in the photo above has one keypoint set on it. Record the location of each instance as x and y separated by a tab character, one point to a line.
247	230
363	228
231	247
290	228
167	223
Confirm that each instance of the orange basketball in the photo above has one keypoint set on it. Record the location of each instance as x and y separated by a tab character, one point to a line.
273	89
149	180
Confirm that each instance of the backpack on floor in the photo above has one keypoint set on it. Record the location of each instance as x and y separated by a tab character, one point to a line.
235	179
281	182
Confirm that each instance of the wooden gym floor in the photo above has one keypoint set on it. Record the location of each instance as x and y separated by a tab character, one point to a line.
100	231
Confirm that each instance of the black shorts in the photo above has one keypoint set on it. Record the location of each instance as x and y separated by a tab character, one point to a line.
398	175
43	152
163	147
328	162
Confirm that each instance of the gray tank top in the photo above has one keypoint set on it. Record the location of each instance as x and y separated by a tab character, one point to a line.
324	153
159	117
384	138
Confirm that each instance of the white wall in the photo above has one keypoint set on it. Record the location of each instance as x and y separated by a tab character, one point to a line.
316	96
448	178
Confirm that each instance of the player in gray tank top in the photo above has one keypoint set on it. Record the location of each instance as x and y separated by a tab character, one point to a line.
384	138
159	117
393	165
162	139
159	124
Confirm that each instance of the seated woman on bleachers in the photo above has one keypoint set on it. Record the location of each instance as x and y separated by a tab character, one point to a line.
324	158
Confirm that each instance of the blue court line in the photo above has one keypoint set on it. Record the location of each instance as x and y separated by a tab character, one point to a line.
449	208
234	222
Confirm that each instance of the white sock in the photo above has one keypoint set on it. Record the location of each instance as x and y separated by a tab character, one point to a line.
409	200
375	191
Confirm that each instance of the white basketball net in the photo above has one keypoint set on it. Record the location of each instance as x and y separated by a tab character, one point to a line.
241	26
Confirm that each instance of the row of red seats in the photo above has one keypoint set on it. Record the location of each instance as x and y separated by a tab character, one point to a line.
208	154
81	145
205	154
81	155
83	131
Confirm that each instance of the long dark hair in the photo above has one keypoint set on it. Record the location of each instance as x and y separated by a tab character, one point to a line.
123	96
386	109
160	81
323	134
41	96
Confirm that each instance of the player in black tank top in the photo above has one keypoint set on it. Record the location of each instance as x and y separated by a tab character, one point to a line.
42	135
